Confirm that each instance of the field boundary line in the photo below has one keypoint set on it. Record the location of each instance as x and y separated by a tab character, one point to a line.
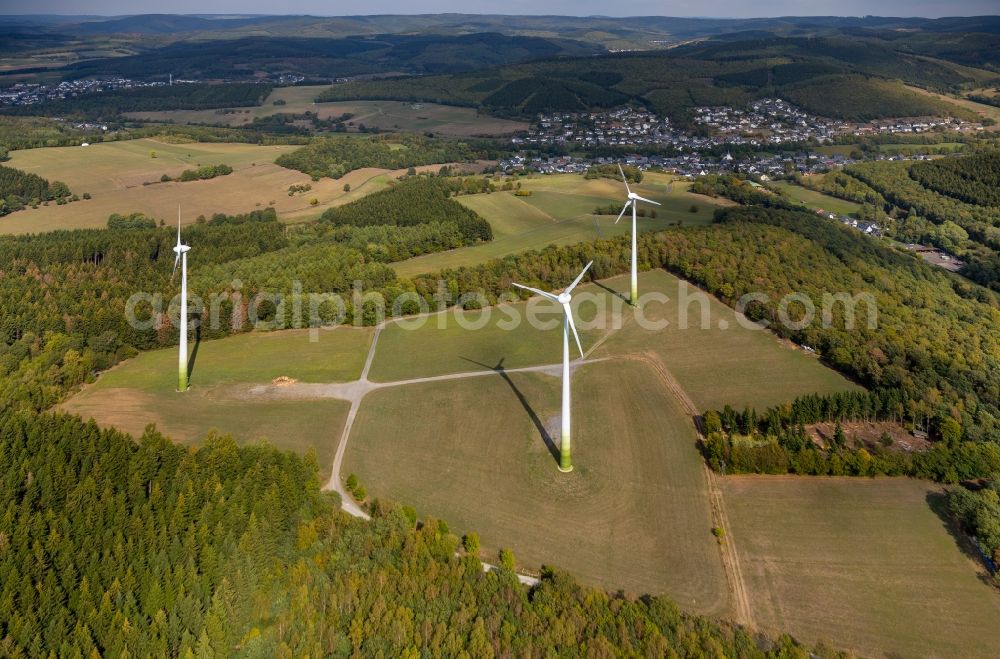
742	610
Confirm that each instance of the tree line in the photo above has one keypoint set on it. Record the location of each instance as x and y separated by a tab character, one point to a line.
20	189
204	172
632	174
776	441
978	511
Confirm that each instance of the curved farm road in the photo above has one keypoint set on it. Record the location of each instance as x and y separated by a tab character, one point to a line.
354	393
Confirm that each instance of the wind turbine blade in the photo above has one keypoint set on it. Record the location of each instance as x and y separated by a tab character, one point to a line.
572	326
648	201
549	296
624	180
569	289
174	271
627	204
178	225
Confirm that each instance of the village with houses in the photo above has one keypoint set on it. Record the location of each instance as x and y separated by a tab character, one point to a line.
33	93
764	122
696	153
30	93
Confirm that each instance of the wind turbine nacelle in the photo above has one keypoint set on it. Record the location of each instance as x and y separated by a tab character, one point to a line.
180	249
564	298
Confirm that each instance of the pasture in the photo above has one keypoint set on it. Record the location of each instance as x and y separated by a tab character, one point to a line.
384	115
721	362
761	370
815	200
114	173
143	390
456	341
634	514
560	211
861	563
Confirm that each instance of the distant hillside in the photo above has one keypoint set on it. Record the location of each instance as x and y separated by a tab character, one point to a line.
897	42
830	77
612	33
165	24
331	58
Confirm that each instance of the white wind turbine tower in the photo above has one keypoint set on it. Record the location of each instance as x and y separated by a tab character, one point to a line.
633	198
565	464
181	251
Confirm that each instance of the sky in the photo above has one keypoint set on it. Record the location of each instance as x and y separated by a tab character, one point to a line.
713	8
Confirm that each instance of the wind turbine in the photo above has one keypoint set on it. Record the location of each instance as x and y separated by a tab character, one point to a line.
181	251
564	298
633	198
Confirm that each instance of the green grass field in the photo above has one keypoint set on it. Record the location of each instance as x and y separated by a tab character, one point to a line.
337	355
442	345
815	200
861	563
560	212
143	390
634	513
724	363
761	371
385	115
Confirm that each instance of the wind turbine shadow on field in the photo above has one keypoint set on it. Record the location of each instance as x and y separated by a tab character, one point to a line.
617	294
539	426
194	352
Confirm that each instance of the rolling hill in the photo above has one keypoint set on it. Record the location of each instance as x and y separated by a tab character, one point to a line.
826	76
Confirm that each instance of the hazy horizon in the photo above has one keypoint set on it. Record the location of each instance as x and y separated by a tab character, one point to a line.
709	9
